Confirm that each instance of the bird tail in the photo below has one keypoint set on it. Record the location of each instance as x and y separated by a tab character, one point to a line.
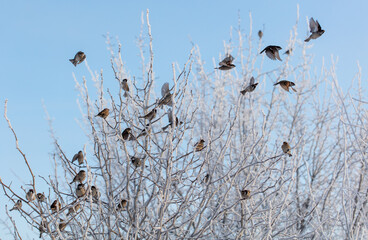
126	94
243	92
307	40
73	61
276	83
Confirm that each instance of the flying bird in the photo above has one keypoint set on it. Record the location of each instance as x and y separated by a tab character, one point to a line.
78	58
251	87
104	113
286	85
286	148
80	191
315	29
260	34
226	63
272	52
55	206
79	177
167	97
78	156
199	145
30	196
245	194
151	115
17	205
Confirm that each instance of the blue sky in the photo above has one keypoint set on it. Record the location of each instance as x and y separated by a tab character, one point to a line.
38	38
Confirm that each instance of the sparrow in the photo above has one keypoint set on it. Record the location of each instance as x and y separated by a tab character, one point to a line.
127	134
122	205
95	192
41	197
171	122
260	34
42	228
199	145
226	63
315	29
17	205
78	58
62	225
166	96
286	148
80	191
151	115
79	177
288	51
137	162
144	131
104	113
55	206
245	194
73	209
286	84
125	86
78	156
272	52
251	87
30	196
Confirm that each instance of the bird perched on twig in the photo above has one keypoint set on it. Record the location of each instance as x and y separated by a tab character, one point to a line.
55	206
62	225
73	209
145	131
79	177
95	192
151	115
80	191
286	148
127	134
272	52
260	34
315	29
167	97
41	197
199	145
104	113
171	122
286	85
78	58
78	156
251	87
245	194
17	205
123	203
136	161
206	178
43	227
125	86
226	63
30	196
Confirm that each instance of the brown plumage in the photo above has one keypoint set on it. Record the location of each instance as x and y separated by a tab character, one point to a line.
80	191
315	29
62	225
78	156
41	197
17	205
30	196
272	52
104	113
95	192
151	115
245	194
251	87
123	203
286	148
137	162
78	58
73	209
79	177
124	85
286	85
260	34
226	63
199	145
127	134
167	97
55	206
42	227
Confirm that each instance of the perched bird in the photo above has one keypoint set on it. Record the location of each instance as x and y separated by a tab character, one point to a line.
251	87
41	197
79	177
226	63
43	227
78	58
137	162
62	225
30	196
260	34
288	52
199	145
245	194
17	205
272	52
144	131
123	203
55	206
286	85
206	178
80	191
315	29
95	192
167	97
125	86
78	156
104	113
73	209
151	115
286	148
127	134
171	122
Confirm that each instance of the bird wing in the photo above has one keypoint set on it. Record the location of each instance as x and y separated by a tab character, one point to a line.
75	157
165	89
251	81
277	55
263	50
271	55
313	25
318	26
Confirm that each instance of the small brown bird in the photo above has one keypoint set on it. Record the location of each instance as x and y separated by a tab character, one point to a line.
171	122
251	87
62	225
79	177
17	205
288	52
123	203
144	132
125	86
41	197
206	178
137	162
315	29
55	206
199	145
245	194
151	115
80	191
43	227
73	209
260	34
226	63
30	196
104	113
167	97
95	192
127	134
78	156
272	52
286	85
286	148
78	58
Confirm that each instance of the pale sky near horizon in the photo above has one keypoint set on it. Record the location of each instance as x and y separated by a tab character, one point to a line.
38	38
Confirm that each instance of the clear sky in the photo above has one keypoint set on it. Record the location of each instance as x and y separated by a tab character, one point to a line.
38	38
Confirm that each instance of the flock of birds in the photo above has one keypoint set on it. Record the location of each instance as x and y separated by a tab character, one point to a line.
226	64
